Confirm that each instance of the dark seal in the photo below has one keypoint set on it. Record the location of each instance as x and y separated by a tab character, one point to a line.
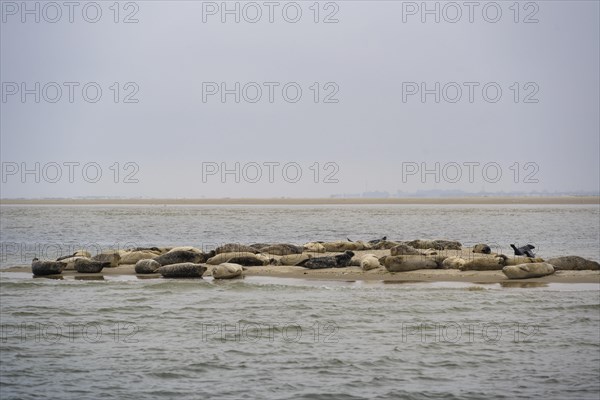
178	257
246	261
40	267
524	251
235	248
376	241
339	261
182	270
87	266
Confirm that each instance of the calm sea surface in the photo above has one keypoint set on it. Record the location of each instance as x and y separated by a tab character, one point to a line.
130	338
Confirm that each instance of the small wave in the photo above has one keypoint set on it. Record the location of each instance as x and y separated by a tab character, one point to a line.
168	375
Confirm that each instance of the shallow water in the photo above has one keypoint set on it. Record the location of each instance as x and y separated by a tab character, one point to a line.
272	339
130	338
51	231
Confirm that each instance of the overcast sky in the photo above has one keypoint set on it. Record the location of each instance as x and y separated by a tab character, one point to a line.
517	90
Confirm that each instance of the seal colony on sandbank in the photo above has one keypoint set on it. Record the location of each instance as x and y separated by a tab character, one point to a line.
381	258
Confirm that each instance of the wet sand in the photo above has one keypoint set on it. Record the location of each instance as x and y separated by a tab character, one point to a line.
357	274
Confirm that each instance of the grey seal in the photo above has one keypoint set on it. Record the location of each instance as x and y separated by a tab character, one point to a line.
338	261
523	251
246	261
178	257
47	267
574	263
88	266
376	241
147	266
235	248
282	249
182	270
435	244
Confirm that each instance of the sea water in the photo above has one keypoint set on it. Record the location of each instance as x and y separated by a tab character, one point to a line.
131	338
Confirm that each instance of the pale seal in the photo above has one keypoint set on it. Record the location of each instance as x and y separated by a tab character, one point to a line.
530	270
227	271
132	257
294	259
453	263
408	263
483	264
369	262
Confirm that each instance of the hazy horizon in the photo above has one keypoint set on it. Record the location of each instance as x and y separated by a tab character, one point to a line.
350	196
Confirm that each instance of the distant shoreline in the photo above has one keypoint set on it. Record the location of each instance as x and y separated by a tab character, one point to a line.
313	201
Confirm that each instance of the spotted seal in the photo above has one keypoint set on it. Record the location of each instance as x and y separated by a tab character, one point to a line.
246	261
377	241
182	270
338	261
235	248
282	249
178	257
146	266
404	250
47	267
574	263
112	257
435	244
408	263
87	266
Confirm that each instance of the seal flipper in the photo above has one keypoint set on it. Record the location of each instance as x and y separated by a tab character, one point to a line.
517	251
524	250
529	254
